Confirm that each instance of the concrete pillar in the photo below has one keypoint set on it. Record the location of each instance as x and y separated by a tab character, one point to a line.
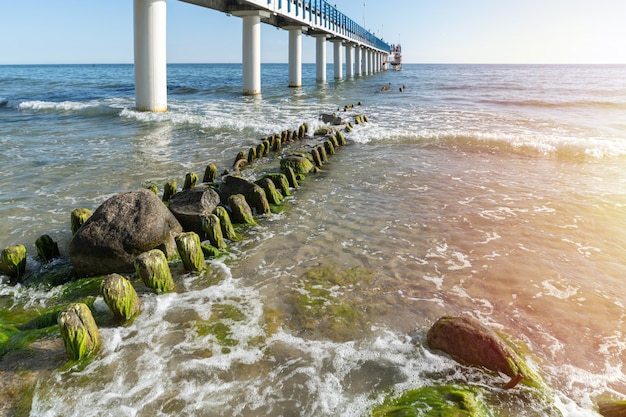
349	64
150	60
337	64
251	56
357	60
320	58
295	56
364	61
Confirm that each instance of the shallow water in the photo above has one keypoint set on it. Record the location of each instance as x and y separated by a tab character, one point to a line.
491	191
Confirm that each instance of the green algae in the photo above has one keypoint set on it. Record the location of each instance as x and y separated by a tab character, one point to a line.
332	303
228	232
153	269
219	325
47	248
210	173
435	401
191	179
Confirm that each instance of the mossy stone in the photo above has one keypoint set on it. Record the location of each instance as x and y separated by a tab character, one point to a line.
209	250
330	148
299	164
317	158
291	177
341	139
323	153
154	271
154	188
13	262
251	155
257	199
190	251
121	297
435	401
78	217
79	331
47	248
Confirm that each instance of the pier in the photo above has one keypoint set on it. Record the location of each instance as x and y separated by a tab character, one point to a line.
364	53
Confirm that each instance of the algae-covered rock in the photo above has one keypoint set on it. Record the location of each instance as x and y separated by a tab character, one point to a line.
190	251
213	230
242	213
469	341
13	262
227	227
210	173
79	331
612	408
299	164
154	271
121	297
253	193
317	158
209	250
436	401
78	217
47	248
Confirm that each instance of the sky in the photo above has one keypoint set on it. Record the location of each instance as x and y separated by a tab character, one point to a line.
430	31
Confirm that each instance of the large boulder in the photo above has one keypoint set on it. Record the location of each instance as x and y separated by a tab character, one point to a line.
120	229
191	206
468	341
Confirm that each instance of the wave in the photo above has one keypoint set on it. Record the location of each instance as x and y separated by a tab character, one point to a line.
554	104
87	108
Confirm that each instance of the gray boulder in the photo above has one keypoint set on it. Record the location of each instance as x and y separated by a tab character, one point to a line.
192	205
253	193
123	227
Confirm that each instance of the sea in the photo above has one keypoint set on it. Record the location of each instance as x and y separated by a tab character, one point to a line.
496	192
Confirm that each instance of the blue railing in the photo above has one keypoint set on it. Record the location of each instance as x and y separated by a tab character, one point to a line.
321	13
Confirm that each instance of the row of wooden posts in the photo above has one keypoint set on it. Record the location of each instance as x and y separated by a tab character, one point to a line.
77	326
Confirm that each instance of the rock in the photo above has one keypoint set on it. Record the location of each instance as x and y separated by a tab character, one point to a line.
299	164
254	194
78	217
612	408
332	119
79	331
446	400
121	297
47	248
123	227
192	205
468	341
190	251
154	271
329	146
251	155
13	262
169	190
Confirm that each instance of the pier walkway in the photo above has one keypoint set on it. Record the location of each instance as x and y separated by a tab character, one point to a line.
364	53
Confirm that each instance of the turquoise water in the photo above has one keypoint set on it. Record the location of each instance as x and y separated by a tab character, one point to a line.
488	190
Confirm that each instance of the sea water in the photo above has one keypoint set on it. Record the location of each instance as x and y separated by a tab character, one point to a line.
493	191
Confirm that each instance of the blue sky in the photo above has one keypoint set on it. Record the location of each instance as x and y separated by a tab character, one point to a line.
430	31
